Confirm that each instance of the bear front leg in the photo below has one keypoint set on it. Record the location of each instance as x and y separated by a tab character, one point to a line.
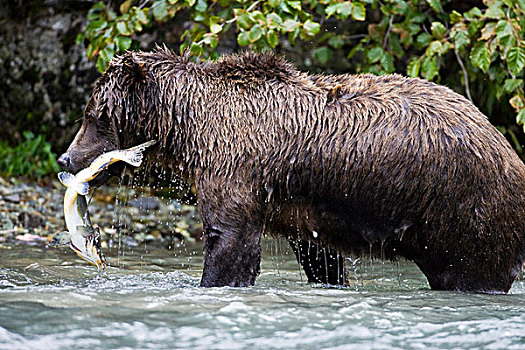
321	265
232	256
233	226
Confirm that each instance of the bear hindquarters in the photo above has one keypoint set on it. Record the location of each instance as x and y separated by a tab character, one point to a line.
476	263
468	275
320	264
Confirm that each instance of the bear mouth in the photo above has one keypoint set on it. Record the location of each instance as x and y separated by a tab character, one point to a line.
114	170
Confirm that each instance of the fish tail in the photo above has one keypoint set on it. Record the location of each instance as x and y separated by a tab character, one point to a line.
66	178
134	158
134	155
142	146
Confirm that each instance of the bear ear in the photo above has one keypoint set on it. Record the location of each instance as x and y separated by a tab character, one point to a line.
133	71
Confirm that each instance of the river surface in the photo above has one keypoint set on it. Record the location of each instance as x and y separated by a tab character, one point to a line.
150	298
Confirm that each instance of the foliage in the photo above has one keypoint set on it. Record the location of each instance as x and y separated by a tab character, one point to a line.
484	45
32	157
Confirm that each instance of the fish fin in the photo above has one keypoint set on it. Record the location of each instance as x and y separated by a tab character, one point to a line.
133	158
85	230
61	238
66	178
134	155
142	146
82	188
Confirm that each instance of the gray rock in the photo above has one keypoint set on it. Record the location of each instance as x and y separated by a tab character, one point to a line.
31	219
13	198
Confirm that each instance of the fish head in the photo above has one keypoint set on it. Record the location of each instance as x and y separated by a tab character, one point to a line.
91	251
61	238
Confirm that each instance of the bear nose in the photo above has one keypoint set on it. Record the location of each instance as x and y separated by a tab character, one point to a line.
64	161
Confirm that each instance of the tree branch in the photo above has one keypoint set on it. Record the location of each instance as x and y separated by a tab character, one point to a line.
465	75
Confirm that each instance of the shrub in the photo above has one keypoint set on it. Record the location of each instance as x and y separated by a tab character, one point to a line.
481	49
32	158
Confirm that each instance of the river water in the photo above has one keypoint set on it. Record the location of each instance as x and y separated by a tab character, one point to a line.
150	298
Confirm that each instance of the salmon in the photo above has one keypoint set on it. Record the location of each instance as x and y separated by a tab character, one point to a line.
81	236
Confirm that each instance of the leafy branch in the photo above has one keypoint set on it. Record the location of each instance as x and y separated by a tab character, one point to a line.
416	37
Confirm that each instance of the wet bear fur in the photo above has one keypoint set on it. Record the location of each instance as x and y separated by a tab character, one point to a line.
357	164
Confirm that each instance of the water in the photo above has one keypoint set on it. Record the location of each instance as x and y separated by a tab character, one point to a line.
51	300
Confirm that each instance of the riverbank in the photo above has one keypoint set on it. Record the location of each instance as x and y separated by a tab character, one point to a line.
33	212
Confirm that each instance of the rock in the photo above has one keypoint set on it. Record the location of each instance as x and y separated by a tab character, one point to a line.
31	219
28	237
128	241
13	198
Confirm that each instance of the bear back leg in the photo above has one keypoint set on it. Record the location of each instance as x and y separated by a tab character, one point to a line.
320	264
478	274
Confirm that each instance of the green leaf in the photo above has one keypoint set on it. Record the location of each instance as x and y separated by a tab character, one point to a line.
211	39
294	4
160	10
358	11
257	16
517	102
311	27
244	21
503	32
438	30
243	38
336	41
520	118
323	54
387	62
455	17
96	26
516	59
142	17
123	43
196	49
473	14
255	33
423	39
435	5
488	31
273	21
354	50
101	64
429	67
459	35
434	48
201	6
123	28
107	54
215	28
80	38
330	10
290	25
512	84
494	11
274	3
273	38
413	67
480	57
374	55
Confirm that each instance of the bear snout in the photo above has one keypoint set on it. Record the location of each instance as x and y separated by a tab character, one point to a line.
64	161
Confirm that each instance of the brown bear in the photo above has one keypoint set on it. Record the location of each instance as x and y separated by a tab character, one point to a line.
350	164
